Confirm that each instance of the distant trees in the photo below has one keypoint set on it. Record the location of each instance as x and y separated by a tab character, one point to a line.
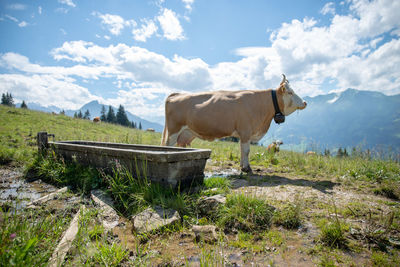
7	99
78	115
111	118
103	116
121	116
87	115
24	105
342	153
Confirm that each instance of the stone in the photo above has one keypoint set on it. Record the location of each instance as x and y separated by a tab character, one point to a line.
65	244
205	233
47	197
109	216
209	205
153	219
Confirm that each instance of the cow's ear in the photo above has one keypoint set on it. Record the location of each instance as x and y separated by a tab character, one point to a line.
282	88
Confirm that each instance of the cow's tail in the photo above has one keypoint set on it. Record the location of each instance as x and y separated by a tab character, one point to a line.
164	136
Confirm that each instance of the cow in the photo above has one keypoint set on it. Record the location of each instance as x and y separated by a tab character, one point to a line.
274	146
96	119
150	130
310	153
246	114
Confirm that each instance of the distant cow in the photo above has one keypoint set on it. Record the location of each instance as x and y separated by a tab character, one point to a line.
246	114
96	119
310	153
150	130
274	146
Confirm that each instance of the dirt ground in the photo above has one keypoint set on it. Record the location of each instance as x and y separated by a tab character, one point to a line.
320	198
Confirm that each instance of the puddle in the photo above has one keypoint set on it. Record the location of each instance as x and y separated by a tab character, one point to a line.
221	173
15	191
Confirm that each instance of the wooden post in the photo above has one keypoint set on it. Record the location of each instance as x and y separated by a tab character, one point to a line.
43	142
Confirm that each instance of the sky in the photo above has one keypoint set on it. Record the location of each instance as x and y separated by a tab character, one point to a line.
67	53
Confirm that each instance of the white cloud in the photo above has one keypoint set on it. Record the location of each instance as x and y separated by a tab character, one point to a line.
67	2
353	50
329	8
16	6
188	4
147	29
170	25
61	10
22	24
114	23
46	89
12	18
40	10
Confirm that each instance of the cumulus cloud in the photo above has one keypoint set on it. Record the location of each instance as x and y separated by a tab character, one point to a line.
140	64
358	50
147	30
114	23
329	8
350	50
170	25
46	89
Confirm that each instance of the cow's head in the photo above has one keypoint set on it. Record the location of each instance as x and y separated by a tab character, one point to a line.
291	101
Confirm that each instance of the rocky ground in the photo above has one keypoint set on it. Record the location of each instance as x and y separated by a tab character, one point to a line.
323	200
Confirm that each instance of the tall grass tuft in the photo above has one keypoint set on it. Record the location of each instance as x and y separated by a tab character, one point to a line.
289	216
135	194
55	170
245	213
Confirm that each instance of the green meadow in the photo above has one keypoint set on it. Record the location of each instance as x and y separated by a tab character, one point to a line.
331	211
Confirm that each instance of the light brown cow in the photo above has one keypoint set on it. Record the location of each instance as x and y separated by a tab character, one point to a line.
274	146
246	114
310	153
96	119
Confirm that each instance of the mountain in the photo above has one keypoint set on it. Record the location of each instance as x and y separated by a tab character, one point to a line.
351	118
36	106
94	108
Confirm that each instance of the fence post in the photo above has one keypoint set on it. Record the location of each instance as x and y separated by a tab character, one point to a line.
43	142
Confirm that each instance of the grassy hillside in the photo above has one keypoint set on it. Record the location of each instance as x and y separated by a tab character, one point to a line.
295	208
18	129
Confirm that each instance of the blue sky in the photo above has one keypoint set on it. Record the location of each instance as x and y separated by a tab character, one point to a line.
68	52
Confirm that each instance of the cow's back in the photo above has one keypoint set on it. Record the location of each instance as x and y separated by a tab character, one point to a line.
215	114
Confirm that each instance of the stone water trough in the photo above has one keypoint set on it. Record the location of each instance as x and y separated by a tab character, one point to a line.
171	166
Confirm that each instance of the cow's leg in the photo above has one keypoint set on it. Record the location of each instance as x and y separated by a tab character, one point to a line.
172	140
244	156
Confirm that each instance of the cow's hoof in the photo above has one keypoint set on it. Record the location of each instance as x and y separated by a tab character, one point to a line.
247	169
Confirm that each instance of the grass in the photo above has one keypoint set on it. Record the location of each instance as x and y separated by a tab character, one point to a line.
92	245
18	129
27	238
242	216
134	195
290	216
245	213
